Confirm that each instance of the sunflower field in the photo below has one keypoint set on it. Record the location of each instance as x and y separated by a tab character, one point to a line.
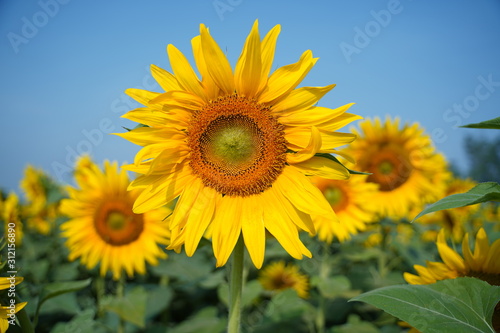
253	207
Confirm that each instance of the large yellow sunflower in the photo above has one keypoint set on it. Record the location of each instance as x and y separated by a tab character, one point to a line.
403	162
102	227
235	147
352	202
483	264
279	276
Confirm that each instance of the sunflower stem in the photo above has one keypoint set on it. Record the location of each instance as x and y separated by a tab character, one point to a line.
236	288
120	292
323	275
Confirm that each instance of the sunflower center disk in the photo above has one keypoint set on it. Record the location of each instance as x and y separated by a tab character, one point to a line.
336	198
116	224
232	142
390	169
237	146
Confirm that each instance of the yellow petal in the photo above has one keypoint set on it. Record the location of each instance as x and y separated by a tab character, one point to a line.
413	279
226	228
300	137
165	79
155	118
268	47
492	263
184	73
323	167
253	230
143	136
199	218
141	96
301	99
338	122
211	89
302	193
219	69
161	193
449	257
286	78
178	98
481	248
312	116
301	219
280	226
247	75
309	151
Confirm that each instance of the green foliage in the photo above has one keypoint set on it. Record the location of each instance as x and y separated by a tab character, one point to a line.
131	307
488	124
480	193
458	305
58	288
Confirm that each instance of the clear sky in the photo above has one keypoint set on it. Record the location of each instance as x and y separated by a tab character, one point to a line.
64	65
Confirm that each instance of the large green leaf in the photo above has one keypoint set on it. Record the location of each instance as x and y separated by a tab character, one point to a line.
204	321
482	192
490	124
58	288
131	307
457	305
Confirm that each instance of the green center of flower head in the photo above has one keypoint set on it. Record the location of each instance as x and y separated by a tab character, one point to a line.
333	195
386	168
116	220
232	142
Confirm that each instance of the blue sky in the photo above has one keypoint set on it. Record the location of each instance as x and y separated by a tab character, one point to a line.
65	65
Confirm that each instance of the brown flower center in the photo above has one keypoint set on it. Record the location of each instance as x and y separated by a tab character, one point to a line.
116	224
336	195
390	167
237	147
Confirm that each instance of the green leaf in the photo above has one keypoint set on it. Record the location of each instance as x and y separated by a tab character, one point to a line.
158	299
355	325
131	307
482	192
82	323
457	305
251	291
58	288
205	321
490	124
332	287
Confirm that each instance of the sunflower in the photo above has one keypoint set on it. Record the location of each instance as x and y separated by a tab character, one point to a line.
39	213
10	214
33	187
102	226
352	202
483	264
235	147
454	221
7	312
279	276
403	162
